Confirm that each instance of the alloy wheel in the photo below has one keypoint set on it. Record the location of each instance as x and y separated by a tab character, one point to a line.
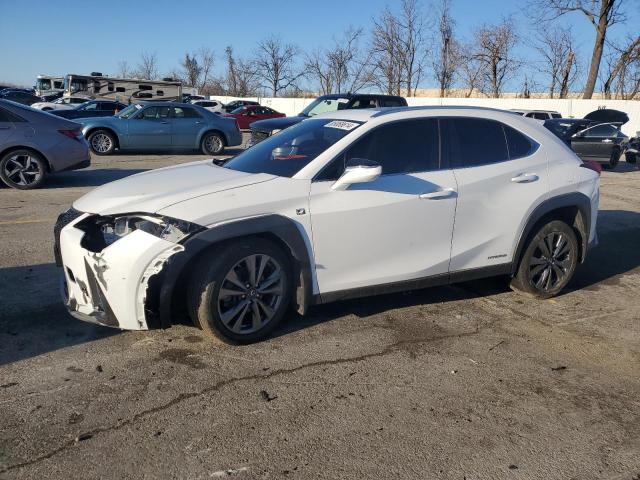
551	261
213	143
251	293
22	169
101	143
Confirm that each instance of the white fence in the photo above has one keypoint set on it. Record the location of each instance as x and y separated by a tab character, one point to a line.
576	108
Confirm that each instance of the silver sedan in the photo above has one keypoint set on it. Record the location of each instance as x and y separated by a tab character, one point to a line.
34	144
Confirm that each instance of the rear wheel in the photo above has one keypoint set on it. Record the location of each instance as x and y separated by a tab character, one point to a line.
240	292
23	169
102	142
549	261
630	157
212	144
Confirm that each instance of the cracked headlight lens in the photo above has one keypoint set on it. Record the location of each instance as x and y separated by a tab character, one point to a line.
167	228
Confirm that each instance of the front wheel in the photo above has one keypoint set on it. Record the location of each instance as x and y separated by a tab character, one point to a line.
22	169
240	292
549	261
212	144
102	142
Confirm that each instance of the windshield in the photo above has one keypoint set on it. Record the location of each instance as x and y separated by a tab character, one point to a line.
237	110
43	84
287	152
129	111
319	106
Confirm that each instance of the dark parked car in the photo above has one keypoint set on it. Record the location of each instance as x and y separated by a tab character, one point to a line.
245	116
231	106
161	126
93	108
34	144
19	96
326	103
591	140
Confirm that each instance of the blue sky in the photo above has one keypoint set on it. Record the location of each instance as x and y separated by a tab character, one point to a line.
81	36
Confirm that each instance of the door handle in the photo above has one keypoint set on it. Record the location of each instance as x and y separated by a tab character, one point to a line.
199	123
164	122
607	140
438	194
525	178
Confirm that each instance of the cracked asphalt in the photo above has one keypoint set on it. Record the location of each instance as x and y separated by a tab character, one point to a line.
470	381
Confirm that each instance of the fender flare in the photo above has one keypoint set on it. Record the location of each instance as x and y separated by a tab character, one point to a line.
160	296
581	222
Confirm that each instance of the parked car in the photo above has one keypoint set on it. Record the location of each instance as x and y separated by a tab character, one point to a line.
541	115
19	96
63	103
188	98
231	106
214	106
342	205
161	125
326	103
591	139
245	116
93	108
51	97
34	144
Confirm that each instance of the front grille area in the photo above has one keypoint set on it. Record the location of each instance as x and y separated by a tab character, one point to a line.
64	219
258	135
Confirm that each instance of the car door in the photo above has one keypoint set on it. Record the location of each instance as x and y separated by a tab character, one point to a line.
500	174
594	143
7	129
186	124
393	229
150	128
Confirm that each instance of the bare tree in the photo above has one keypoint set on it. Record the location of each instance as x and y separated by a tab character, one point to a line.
124	71
341	67
556	47
241	78
385	53
276	65
197	67
148	66
494	45
619	62
447	60
412	37
601	13
472	69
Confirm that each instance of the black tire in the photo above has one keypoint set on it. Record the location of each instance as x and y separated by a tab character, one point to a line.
212	307
630	157
559	266
23	169
102	142
212	144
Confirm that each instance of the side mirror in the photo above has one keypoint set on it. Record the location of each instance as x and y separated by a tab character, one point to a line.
359	170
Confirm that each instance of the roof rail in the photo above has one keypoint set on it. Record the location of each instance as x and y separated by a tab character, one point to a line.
388	111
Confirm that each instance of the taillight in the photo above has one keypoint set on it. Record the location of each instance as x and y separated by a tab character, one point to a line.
237	125
592	165
74	134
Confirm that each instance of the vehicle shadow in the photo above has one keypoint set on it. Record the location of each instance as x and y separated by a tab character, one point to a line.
33	319
624	167
89	178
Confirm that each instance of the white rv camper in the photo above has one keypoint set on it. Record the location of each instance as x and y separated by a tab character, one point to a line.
48	85
125	90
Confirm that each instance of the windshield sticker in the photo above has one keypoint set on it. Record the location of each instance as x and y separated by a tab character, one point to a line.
343	100
341	125
138	106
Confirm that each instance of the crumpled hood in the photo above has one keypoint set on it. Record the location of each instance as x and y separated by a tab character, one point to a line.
157	189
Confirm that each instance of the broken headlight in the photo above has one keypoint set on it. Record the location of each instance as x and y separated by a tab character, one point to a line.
167	228
104	231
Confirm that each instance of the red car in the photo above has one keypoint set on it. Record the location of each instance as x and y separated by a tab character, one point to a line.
248	114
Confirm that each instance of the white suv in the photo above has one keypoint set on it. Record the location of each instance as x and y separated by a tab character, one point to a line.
353	203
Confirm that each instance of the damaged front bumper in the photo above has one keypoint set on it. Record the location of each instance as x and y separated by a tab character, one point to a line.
110	287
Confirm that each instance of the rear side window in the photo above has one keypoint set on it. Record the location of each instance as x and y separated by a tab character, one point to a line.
540	116
401	147
182	112
518	144
7	116
391	102
471	142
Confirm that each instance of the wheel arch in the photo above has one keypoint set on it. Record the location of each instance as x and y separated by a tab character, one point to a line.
90	130
225	140
30	148
574	209
167	294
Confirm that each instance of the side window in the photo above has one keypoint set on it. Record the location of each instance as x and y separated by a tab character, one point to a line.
91	106
600	131
182	112
540	116
150	113
518	144
472	142
7	116
391	102
401	147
